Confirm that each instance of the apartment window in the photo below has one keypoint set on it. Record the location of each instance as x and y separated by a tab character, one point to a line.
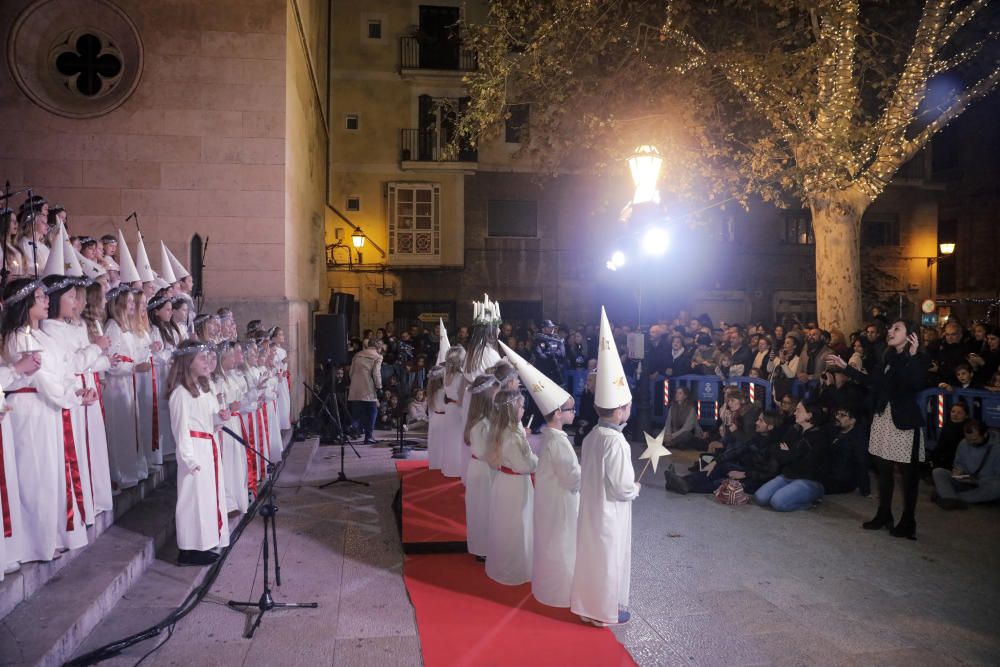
352	121
413	211
880	230
512	218
374	29
353	203
516	125
799	229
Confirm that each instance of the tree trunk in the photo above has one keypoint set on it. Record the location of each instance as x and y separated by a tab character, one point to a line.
837	228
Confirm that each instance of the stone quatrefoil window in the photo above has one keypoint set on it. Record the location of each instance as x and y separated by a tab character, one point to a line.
91	66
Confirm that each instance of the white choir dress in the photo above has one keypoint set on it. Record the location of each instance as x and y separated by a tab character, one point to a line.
121	410
201	493
452	427
147	386
489	359
50	491
478	483
11	526
93	418
271	424
34	258
557	505
602	574
161	365
508	558
256	471
283	388
435	424
234	457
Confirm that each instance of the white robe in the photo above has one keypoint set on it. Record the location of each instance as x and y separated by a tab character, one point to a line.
10	501
161	362
248	425
435	424
604	530
508	560
149	441
478	483
51	520
451	428
234	457
557	505
283	388
271	424
489	359
29	254
200	514
128	466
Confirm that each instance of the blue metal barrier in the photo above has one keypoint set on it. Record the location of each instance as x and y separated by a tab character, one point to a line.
706	391
936	403
574	382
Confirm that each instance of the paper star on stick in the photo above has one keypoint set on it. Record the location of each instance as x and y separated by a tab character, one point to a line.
654	450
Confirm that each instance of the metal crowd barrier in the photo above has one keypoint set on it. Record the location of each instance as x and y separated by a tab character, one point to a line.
936	403
707	392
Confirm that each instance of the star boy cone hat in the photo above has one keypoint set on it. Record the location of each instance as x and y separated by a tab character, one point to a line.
55	265
146	272
128	272
72	263
547	394
612	388
91	269
179	271
166	270
444	344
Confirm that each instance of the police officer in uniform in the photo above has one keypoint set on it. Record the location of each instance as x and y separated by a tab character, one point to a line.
548	354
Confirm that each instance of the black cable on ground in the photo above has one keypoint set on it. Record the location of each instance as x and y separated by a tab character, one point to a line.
114	648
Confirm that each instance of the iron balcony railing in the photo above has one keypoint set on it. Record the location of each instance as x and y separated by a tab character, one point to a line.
429	145
419	53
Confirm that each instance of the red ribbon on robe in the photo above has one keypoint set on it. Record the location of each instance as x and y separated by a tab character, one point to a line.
215	460
156	409
265	442
4	501
251	464
74	486
100	394
288	376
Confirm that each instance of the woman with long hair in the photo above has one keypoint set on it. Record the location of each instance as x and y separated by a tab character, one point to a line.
179	317
435	416
897	434
147	382
234	459
200	513
452	455
509	548
479	479
12	254
163	334
284	385
51	511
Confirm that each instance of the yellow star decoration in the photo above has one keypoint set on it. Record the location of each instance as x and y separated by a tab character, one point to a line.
619	381
537	388
654	449
605	343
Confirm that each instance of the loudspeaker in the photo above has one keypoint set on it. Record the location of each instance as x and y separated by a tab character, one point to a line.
342	303
330	334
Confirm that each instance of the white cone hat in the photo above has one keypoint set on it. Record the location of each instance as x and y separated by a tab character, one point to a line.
612	388
146	273
55	265
548	395
166	270
91	269
444	344
128	272
73	267
179	271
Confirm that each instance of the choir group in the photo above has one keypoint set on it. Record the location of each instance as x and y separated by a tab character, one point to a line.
562	524
108	372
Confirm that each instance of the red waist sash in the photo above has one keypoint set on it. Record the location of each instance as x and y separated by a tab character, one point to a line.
215	461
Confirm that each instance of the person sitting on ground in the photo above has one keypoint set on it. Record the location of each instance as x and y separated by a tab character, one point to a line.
949	437
737	417
802	460
416	411
975	477
848	464
786	409
388	409
681	430
752	463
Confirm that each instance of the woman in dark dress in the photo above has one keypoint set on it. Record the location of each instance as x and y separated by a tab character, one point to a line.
897	435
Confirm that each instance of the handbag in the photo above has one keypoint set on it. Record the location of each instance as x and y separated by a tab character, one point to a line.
731	492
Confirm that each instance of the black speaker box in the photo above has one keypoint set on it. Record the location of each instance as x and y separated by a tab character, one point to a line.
330	334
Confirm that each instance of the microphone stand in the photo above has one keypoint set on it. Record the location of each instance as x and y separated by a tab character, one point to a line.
342	438
268	510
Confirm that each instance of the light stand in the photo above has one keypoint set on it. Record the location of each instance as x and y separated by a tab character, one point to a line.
341	439
268	511
402	448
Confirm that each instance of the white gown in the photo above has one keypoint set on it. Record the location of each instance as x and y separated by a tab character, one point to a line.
557	505
93	419
51	507
120	410
161	363
489	359
478	483
149	437
508	560
248	429
435	424
602	574
234	457
451	428
11	526
283	388
200	514
29	254
272	426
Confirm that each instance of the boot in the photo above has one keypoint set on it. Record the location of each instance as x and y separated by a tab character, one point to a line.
675	482
879	521
907	527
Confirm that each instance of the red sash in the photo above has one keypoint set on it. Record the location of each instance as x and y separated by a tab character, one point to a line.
74	486
251	465
23	390
510	471
4	502
156	409
288	376
215	461
264	444
100	394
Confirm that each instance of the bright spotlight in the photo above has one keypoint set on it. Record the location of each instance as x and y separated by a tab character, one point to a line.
655	241
611	266
618	259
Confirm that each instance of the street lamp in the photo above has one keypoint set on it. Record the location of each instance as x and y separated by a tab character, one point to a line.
947	250
358	241
645	165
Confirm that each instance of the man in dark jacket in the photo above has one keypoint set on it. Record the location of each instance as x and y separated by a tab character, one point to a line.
848	462
954	351
740	354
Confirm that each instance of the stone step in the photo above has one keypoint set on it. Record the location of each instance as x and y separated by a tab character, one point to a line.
21	585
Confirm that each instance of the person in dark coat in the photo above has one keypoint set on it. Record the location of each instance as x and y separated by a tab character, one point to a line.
848	465
897	436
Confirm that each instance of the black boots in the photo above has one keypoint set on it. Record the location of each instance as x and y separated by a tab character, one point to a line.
907	527
880	521
188	557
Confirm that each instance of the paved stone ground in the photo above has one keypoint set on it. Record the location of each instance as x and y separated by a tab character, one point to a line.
711	585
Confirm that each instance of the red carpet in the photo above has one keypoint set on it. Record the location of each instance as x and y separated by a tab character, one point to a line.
433	509
464	617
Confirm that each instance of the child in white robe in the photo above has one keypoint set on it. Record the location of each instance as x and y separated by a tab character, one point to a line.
10	502
284	388
453	423
200	513
435	416
164	331
509	550
479	478
121	403
234	460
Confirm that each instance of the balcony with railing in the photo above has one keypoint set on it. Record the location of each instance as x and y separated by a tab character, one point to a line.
430	147
423	56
